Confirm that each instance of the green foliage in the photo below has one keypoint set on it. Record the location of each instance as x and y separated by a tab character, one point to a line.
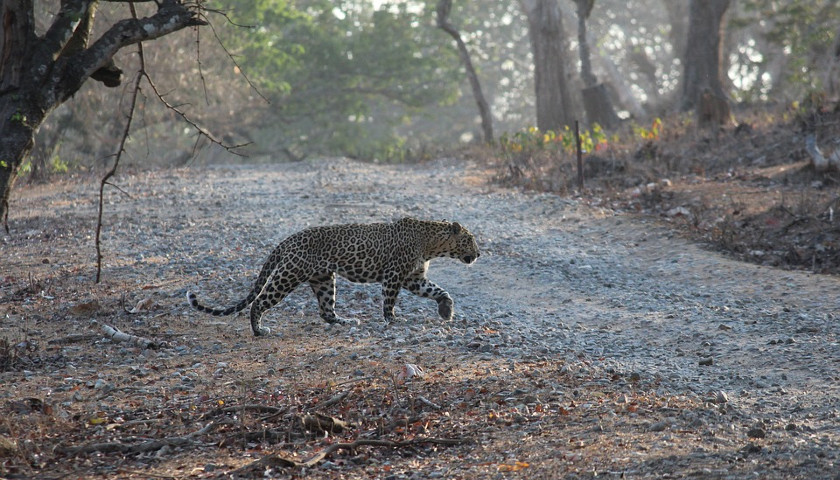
651	133
18	117
532	141
342	78
802	32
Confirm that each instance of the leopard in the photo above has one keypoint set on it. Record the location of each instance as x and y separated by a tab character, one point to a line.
394	254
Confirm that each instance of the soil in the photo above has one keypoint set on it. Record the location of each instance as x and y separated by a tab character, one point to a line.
588	340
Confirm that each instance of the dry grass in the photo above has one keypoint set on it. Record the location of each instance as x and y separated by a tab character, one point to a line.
747	190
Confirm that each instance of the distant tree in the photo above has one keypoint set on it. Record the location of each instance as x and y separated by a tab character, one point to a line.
702	79
596	101
39	72
343	77
443	9
548	40
795	46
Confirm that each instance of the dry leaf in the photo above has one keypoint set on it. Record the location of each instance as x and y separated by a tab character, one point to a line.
514	467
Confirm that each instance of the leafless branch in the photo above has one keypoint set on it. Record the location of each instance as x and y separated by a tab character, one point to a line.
186	118
239	69
119	153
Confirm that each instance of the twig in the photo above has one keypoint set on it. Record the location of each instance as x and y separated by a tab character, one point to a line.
239	69
353	380
266	434
201	130
335	399
428	402
579	152
278	461
319	422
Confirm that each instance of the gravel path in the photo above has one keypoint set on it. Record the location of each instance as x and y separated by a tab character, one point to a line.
555	276
556	279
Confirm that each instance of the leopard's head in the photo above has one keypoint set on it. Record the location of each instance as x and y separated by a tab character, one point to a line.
459	243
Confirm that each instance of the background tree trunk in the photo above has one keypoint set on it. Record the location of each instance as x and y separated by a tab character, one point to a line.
596	100
545	29
443	9
702	71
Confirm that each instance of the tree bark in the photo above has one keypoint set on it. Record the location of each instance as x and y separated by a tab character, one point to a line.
545	29
831	75
703	71
38	74
596	100
443	9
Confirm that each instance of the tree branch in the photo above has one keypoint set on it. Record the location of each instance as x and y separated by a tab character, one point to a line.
61	31
443	9
201	130
73	70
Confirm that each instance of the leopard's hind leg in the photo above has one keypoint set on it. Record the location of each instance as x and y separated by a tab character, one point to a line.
273	292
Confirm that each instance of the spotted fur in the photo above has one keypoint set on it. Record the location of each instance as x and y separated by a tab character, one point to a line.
395	254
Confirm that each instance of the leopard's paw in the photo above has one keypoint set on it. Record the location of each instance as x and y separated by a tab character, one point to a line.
262	332
445	308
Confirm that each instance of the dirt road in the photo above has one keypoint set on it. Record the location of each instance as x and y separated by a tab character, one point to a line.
558	282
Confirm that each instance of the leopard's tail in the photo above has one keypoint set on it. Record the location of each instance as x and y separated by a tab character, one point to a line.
219	312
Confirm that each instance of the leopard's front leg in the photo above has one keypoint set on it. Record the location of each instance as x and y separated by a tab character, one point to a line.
421	286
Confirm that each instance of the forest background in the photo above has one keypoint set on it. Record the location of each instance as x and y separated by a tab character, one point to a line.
378	81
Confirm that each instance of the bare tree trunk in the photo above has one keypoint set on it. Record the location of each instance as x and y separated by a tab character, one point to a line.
702	74
17	120
626	98
831	75
545	29
596	100
39	73
443	9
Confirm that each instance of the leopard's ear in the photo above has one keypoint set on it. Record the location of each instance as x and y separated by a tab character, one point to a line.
456	228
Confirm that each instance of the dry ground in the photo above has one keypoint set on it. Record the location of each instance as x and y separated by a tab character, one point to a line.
210	400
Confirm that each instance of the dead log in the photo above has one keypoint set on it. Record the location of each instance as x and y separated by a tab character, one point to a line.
118	336
820	162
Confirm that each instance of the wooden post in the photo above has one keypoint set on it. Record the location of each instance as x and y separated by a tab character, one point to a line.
579	157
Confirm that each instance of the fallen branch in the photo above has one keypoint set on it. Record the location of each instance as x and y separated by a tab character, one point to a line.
820	162
147	446
253	407
320	423
270	461
428	402
271	435
335	399
119	336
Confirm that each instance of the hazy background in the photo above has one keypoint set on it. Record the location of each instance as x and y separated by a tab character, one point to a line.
379	81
